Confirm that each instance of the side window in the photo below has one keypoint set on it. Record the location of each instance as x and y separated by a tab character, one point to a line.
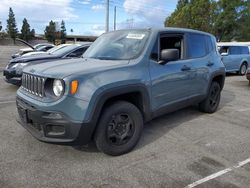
224	49
234	50
244	50
196	46
172	42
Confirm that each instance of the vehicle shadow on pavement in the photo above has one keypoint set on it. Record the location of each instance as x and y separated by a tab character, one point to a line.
160	126
90	148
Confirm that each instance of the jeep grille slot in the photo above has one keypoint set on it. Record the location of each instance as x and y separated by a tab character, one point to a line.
33	84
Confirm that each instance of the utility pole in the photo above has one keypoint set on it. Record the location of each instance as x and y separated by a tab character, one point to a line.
107	16
115	19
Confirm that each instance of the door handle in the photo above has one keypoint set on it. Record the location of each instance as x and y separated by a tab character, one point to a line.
210	64
185	68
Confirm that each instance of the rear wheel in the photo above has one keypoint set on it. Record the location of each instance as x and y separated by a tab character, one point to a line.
243	69
119	128
211	103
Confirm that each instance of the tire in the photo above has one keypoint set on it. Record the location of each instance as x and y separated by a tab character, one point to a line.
243	69
119	128
211	103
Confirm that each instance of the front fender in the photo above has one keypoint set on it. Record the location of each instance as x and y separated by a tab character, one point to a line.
102	95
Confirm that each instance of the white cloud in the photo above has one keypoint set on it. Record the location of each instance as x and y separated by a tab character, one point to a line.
153	12
97	29
84	2
98	7
38	10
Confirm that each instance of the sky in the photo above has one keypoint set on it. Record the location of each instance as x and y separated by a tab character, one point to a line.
87	17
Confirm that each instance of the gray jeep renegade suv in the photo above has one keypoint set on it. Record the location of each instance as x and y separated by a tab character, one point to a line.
125	79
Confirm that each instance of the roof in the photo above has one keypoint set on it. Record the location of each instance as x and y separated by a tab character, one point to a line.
168	29
233	43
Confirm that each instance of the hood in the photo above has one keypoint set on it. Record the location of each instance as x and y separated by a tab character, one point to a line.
26	43
34	53
37	57
63	68
26	50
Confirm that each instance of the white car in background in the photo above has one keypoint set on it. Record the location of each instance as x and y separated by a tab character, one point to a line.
38	47
235	56
48	52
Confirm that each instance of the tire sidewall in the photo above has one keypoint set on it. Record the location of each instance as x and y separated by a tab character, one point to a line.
101	139
214	108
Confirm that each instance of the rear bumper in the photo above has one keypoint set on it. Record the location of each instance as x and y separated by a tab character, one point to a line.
53	127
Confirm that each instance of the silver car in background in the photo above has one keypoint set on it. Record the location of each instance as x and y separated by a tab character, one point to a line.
236	57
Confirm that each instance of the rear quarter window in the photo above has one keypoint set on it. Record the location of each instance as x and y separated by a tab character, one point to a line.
210	45
244	50
196	46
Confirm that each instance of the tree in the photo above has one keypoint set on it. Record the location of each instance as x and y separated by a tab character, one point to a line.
63	32
181	17
181	4
195	14
11	25
50	32
25	31
227	20
0	25
244	27
32	33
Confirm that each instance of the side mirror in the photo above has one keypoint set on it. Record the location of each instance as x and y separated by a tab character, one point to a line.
169	55
224	54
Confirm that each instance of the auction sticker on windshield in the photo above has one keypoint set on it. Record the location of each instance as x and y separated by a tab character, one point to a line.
135	36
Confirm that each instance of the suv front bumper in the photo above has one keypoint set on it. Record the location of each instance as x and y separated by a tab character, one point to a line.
52	127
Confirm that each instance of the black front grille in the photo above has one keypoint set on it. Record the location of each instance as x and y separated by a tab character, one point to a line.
33	84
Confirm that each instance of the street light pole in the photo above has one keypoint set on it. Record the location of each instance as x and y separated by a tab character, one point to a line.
115	18
107	16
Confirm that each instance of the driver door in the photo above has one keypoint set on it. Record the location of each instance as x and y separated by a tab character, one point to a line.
170	82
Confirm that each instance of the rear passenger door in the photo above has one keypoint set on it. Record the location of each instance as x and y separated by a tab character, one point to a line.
200	50
170	82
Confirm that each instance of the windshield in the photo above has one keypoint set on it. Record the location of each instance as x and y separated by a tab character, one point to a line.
52	50
39	46
64	50
119	45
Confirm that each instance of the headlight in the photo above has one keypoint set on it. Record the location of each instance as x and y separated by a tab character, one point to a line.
19	65
58	87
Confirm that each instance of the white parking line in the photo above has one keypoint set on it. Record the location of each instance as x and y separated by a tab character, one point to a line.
6	102
243	110
217	174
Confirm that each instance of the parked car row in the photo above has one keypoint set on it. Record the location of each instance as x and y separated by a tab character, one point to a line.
13	71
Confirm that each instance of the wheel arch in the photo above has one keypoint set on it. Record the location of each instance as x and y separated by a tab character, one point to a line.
218	77
136	94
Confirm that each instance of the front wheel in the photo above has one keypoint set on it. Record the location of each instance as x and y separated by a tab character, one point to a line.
211	102
119	128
